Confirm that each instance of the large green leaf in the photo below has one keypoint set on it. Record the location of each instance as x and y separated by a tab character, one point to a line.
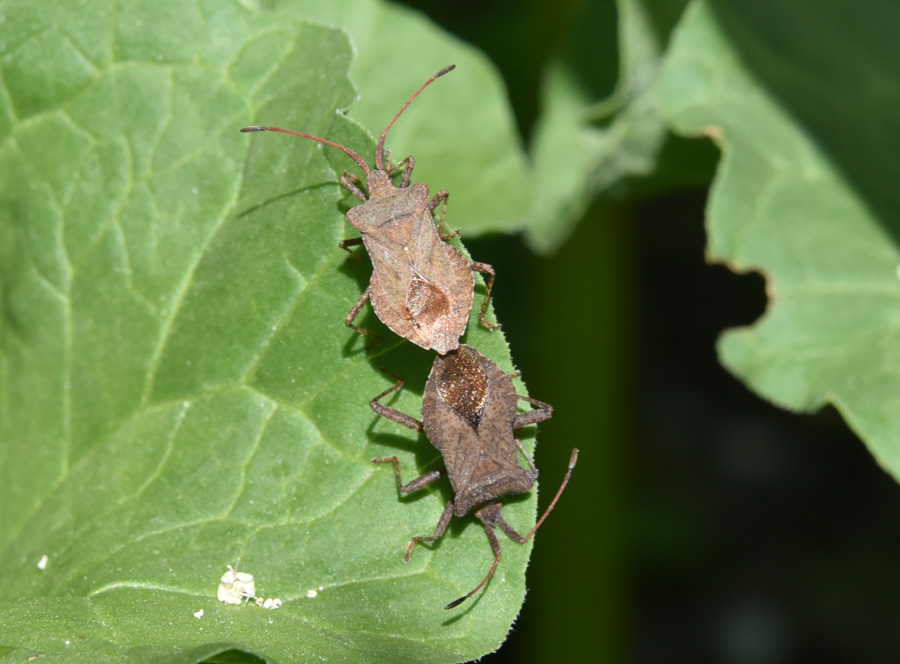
178	391
599	127
803	97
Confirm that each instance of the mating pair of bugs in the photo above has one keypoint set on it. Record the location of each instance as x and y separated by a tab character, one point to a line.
423	289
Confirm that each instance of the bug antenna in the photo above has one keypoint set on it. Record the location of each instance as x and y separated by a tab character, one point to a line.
379	151
457	602
350	153
572	460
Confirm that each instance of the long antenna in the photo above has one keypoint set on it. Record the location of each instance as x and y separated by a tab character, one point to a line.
350	153
495	544
572	461
379	152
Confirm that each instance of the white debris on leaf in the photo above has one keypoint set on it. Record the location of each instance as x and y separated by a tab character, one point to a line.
234	586
270	603
198	614
311	593
42	563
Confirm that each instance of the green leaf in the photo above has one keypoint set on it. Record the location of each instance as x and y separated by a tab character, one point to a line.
178	391
462	132
802	99
599	127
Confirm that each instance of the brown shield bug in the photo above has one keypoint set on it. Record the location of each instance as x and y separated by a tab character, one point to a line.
469	413
421	288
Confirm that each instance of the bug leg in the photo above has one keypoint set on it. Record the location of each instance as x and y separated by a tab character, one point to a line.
510	531
386	165
407	421
354	185
441	197
415	484
354	312
543	411
438	530
392	413
351	242
409	164
527	458
484	268
406	166
487	522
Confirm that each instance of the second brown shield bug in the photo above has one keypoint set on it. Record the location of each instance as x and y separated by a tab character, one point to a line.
469	413
421	287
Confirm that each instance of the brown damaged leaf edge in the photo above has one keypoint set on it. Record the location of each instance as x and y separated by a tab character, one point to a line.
421	288
469	413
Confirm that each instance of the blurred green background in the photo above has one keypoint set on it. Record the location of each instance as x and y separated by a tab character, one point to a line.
702	524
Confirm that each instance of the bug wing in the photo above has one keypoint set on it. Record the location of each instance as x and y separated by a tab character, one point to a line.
467	412
422	288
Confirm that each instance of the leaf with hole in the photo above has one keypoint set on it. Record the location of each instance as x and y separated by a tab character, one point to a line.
802	100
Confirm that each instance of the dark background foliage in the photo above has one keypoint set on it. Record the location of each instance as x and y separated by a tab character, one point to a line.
703	524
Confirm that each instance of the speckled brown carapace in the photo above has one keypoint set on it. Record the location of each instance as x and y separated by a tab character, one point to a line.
460	381
422	288
470	413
